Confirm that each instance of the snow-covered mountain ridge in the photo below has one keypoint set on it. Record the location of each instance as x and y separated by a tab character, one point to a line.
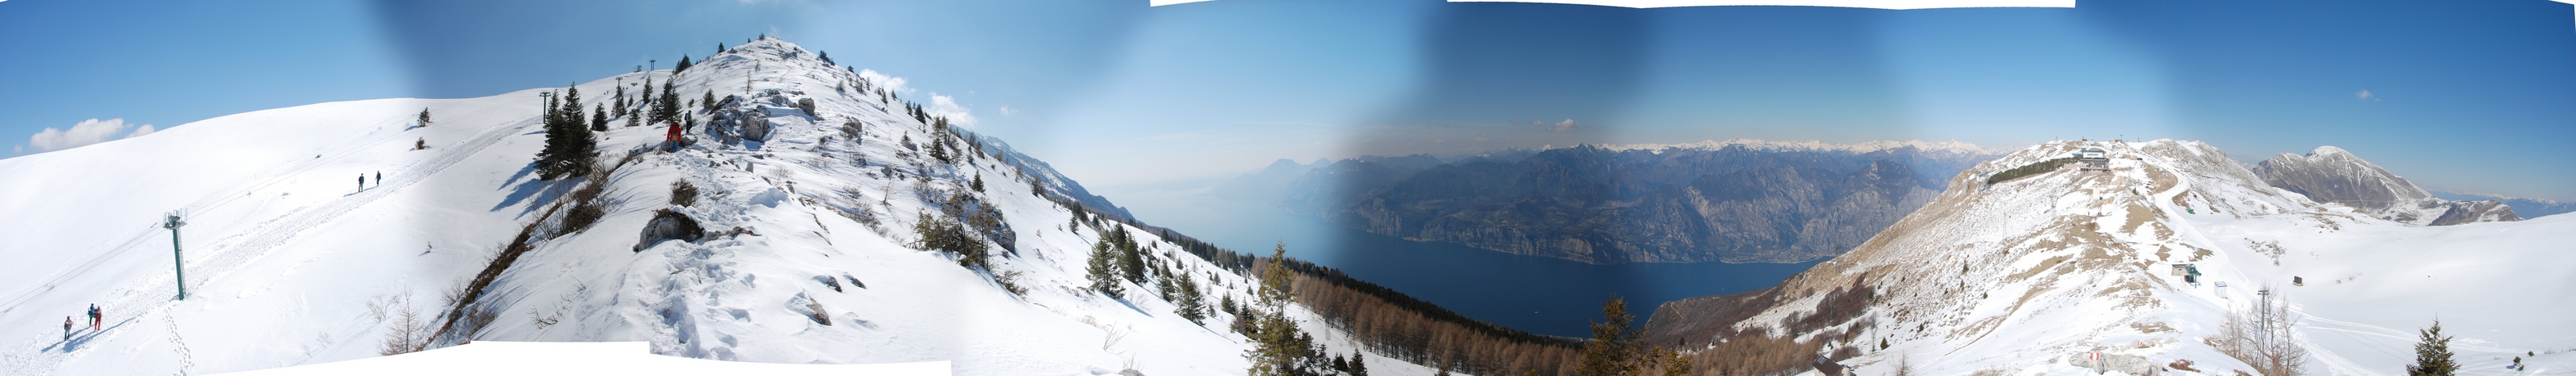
2018	276
810	185
2330	174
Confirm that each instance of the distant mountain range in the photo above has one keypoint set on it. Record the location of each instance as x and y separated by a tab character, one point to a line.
2526	207
1733	201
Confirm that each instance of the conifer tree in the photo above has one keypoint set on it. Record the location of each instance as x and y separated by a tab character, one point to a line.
620	103
1279	348
424	118
939	151
598	118
569	144
1618	349
682	67
1191	304
2432	353
668	107
1102	271
1612	350
1131	264
708	103
572	107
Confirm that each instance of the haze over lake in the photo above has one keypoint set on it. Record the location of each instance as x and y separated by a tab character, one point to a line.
1536	294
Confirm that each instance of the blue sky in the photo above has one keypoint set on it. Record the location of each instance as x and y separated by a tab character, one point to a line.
2460	95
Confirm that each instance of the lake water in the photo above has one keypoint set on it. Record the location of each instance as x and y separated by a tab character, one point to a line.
1536	294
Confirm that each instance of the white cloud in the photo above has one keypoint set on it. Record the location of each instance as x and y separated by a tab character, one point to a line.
2365	95
87	132
1007	111
890	83
1562	126
946	106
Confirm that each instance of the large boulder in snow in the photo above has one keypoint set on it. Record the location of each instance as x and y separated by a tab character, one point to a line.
668	224
755	129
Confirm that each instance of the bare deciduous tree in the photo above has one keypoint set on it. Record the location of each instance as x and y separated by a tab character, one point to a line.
2263	336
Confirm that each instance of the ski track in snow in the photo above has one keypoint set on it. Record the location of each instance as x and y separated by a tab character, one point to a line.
31	357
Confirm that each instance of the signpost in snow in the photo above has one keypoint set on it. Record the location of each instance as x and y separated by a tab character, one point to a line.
172	222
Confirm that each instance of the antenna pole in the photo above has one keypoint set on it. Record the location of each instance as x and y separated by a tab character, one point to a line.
172	222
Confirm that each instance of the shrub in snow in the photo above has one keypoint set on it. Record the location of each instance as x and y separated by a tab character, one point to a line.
683	193
1010	281
944	234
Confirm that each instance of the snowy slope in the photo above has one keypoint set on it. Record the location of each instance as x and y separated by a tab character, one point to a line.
2017	276
284	254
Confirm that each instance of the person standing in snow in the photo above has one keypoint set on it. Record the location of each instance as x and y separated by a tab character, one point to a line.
362	182
93	316
380	178
67	328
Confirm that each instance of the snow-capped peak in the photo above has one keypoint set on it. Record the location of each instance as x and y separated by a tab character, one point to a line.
2331	174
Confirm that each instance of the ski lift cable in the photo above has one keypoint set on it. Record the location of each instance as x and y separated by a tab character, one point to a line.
227	197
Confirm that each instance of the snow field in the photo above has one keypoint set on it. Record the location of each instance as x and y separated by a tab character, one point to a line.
2015	276
285	257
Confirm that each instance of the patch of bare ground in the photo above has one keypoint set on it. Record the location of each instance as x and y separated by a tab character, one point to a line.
2160	179
2138	215
2044	265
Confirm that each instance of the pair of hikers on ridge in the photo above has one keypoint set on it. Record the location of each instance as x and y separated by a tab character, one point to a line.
93	322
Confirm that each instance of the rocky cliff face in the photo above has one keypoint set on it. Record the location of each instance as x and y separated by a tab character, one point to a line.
2330	174
1599	205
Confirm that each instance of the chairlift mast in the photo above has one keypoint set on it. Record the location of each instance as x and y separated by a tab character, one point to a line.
171	221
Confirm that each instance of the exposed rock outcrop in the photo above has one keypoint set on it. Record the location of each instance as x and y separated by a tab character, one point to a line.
668	224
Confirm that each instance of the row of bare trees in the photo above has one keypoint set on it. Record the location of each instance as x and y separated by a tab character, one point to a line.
1402	328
